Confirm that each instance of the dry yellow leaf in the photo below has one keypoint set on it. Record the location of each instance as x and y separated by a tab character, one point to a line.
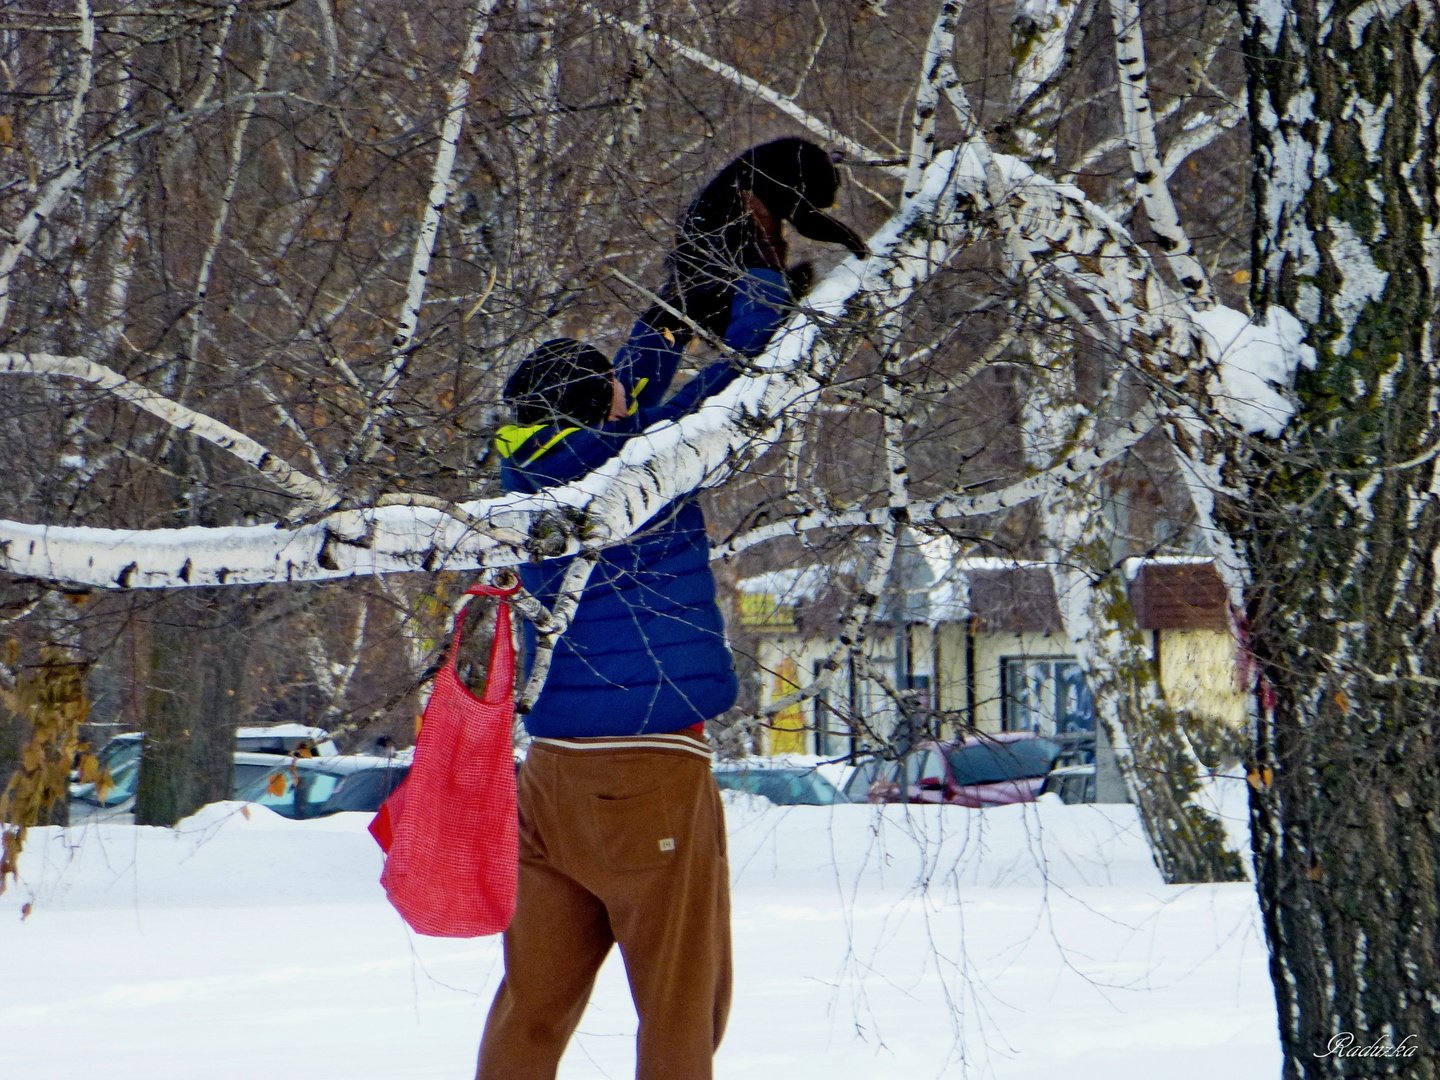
1260	779
278	785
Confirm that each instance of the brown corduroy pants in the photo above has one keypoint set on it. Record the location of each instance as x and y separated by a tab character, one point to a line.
617	846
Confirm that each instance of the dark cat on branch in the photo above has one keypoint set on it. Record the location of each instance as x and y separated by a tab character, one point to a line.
737	221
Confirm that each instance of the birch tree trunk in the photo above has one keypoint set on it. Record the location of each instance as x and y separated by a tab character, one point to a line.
1146	736
1149	737
1341	519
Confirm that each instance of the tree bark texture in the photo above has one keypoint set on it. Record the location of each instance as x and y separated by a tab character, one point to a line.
1341	519
197	664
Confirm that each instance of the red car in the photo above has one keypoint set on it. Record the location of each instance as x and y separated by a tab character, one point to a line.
982	770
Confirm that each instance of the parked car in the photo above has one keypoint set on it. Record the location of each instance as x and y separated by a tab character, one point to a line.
247	767
863	776
118	762
317	787
783	781
982	770
1073	783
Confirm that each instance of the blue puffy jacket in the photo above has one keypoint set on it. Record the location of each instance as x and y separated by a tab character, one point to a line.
646	651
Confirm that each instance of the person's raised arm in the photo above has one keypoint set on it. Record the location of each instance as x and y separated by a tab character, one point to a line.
762	301
646	364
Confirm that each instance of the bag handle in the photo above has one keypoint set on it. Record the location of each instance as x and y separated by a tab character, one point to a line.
502	645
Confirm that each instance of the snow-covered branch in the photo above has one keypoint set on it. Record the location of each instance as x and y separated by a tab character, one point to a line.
180	417
957	196
595	511
1039	31
933	69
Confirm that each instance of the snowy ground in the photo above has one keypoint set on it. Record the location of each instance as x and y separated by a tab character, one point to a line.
876	943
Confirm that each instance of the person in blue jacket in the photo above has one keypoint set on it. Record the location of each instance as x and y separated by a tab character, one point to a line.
621	829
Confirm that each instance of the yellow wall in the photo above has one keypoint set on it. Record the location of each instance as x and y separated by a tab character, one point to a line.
787	727
1199	673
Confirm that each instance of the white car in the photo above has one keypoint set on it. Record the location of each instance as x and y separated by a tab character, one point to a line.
785	781
118	764
1073	783
318	786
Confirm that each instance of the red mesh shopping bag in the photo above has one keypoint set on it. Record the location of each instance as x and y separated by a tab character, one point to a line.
451	829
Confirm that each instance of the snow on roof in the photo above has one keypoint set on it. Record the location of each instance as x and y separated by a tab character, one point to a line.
282	731
945	593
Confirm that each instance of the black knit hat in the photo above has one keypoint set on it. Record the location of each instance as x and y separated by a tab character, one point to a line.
563	379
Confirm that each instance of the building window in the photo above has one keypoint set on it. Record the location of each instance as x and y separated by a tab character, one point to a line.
834	735
1046	694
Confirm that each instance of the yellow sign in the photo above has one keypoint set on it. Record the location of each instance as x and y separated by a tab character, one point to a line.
787	730
764	611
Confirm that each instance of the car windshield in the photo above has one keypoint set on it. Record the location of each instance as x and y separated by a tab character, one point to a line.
247	773
995	762
857	787
289	791
367	789
118	773
785	787
298	790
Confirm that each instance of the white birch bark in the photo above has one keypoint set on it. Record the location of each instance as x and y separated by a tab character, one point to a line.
457	98
1143	738
1139	119
1338	515
227	194
178	417
599	510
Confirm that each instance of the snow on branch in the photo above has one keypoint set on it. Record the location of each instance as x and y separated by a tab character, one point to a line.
595	511
927	96
1134	84
1256	366
955	201
181	417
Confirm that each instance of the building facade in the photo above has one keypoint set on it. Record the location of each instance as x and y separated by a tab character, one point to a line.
978	645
